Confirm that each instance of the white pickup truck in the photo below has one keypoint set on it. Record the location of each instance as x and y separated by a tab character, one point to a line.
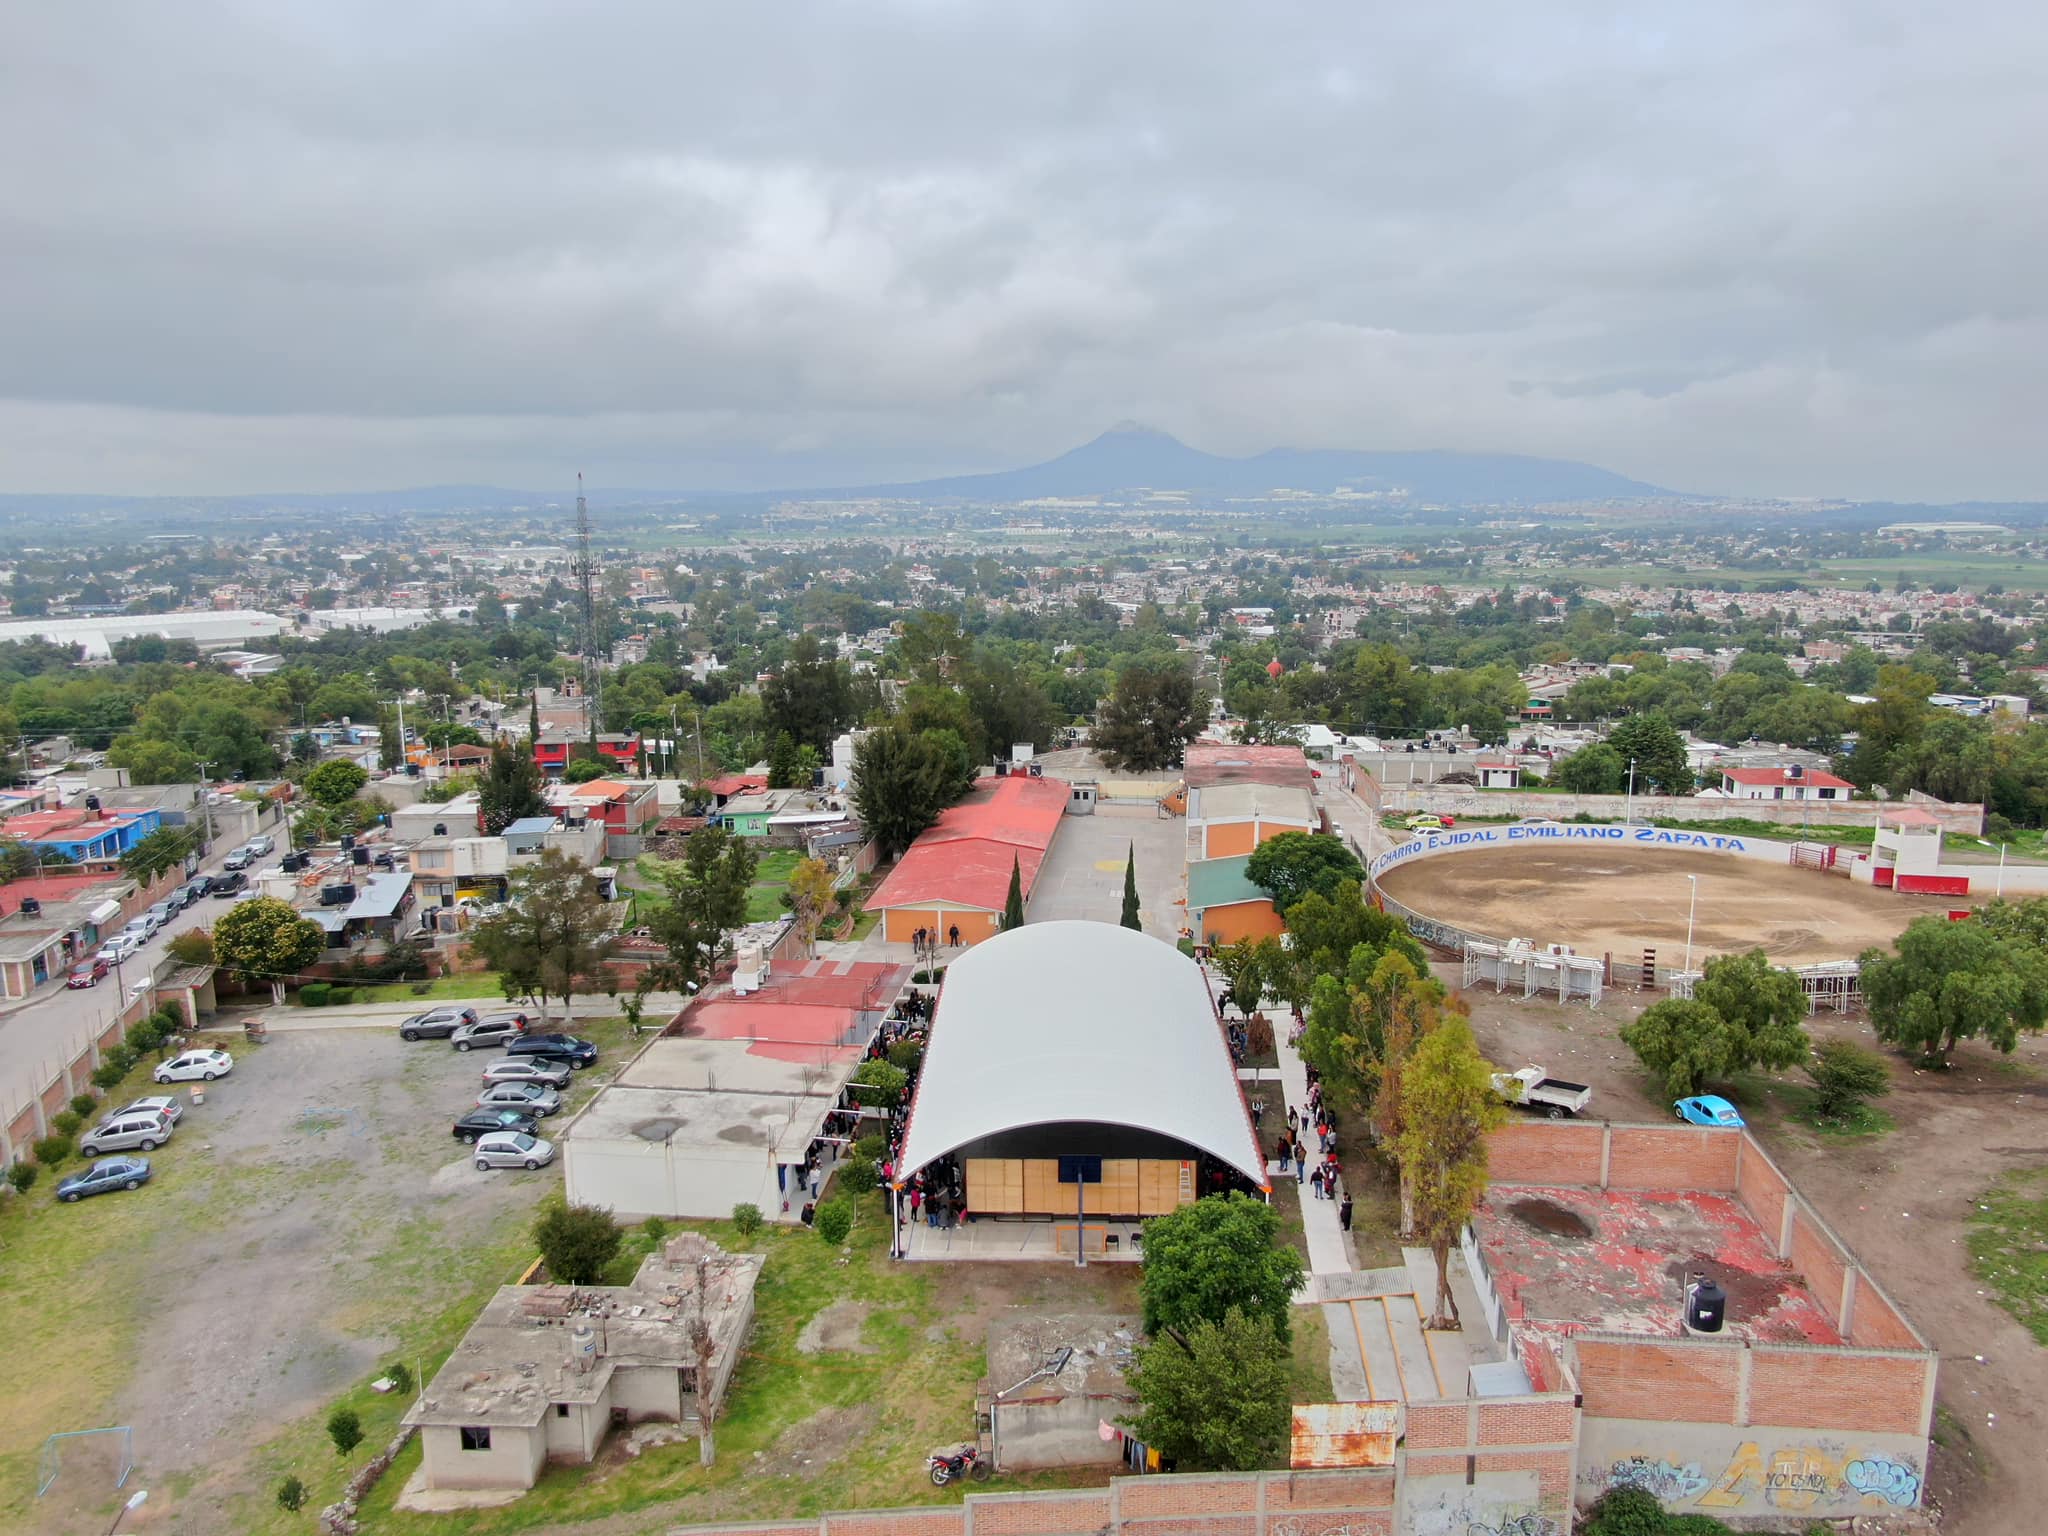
1552	1096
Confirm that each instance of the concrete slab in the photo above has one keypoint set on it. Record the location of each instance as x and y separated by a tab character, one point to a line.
1083	873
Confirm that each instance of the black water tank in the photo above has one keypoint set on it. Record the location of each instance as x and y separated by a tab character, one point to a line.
337	895
30	906
348	841
1706	1305
360	855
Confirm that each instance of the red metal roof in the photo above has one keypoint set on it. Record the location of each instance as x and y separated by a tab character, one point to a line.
1224	762
966	859
735	783
1815	776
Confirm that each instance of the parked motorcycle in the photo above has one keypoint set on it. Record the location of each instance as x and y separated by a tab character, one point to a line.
965	1462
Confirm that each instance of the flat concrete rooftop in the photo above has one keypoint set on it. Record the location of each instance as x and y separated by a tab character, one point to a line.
1618	1261
777	1125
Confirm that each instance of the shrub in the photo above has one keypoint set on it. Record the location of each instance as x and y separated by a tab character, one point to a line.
314	994
1625	1512
835	1220
869	1147
345	1429
23	1177
1844	1077
84	1104
338	997
907	1055
400	1377
192	947
857	1175
108	1076
422	988
52	1150
124	1056
67	1122
576	1241
746	1218
1258	1036
147	1035
656	1230
291	1494
878	1083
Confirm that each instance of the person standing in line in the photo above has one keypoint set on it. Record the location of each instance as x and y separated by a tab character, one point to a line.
1300	1170
1293	1120
1282	1148
1344	1212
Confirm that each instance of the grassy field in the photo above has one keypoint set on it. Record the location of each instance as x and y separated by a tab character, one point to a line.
771	879
461	984
2009	1246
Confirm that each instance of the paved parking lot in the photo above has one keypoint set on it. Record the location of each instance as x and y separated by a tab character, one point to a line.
1083	876
311	1209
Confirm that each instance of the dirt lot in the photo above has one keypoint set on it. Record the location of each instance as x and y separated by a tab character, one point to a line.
302	1218
1618	902
1900	1200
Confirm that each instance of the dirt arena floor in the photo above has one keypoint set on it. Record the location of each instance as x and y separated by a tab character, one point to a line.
1618	902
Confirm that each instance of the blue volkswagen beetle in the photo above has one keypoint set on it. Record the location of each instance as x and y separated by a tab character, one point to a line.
1709	1109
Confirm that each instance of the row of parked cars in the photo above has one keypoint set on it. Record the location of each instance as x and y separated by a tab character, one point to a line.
139	1128
141	929
521	1088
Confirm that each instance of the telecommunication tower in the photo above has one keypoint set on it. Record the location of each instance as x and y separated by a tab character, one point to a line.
585	569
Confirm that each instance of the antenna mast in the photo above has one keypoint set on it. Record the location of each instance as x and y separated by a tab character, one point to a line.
585	569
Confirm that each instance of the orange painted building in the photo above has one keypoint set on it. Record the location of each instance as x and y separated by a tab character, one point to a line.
957	873
1228	820
1224	906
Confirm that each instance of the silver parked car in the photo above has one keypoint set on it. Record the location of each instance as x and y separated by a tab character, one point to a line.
513	1149
524	1069
531	1097
129	1129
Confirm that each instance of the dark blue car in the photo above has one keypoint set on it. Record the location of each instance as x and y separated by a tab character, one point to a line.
566	1048
108	1173
481	1122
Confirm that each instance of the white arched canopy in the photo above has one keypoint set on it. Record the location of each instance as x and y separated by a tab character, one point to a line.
1078	1023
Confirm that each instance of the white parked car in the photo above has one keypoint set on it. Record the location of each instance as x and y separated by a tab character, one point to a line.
158	1104
119	948
513	1149
202	1066
531	1097
525	1069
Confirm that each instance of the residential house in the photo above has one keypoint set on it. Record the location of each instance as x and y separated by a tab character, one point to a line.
545	1371
1793	781
554	749
85	834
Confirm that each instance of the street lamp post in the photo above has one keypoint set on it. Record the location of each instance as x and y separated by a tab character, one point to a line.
206	807
1628	810
1691	908
136	1500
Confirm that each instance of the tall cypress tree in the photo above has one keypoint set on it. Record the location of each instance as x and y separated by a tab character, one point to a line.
1013	904
533	718
1130	917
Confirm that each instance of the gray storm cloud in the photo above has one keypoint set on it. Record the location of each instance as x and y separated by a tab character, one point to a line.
1745	248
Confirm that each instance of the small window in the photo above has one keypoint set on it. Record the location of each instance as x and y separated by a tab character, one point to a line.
476	1437
561	1410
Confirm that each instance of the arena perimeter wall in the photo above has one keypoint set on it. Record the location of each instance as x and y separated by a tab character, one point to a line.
1645	839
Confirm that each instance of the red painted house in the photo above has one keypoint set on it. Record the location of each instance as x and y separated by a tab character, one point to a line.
553	751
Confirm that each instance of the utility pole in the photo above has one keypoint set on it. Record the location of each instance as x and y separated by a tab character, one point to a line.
206	808
584	568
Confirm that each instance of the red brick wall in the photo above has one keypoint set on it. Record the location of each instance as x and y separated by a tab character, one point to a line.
1657	1379
1527	1423
1322	1490
1833	1389
891	1522
1876	1324
1816	1257
1431	1425
1531	1152
1671	1157
1761	1190
1553	1471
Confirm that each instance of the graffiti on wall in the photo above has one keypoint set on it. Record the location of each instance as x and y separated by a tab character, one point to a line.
1498	1504
1796	1478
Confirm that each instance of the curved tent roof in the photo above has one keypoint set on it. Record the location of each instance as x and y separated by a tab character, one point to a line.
1078	1021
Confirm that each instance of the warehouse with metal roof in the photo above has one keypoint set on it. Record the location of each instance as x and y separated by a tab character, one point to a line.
1076	1082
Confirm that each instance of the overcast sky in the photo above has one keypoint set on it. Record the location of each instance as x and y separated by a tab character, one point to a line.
1760	248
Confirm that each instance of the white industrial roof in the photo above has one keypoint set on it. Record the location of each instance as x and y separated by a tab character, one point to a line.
1078	1021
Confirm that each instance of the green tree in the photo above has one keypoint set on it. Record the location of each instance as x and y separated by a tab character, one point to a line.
511	788
1946	982
1129	918
336	782
390	745
1658	752
1682	1041
1215	1396
1447	1108
1290	866
834	1220
1845	1077
1147	722
1219	1253
266	940
1244	975
1594	770
880	1084
165	848
582	770
900	785
553	937
345	1429
707	899
576	1242
812	891
785	768
810	697
1013	903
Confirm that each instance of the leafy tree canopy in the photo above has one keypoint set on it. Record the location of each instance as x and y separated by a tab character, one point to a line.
1146	724
334	782
1218	1253
1292	865
1217	1397
1944	983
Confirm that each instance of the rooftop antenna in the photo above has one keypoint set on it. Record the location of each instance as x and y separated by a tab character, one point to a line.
584	567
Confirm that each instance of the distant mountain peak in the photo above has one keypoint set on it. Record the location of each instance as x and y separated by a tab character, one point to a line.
1135	429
